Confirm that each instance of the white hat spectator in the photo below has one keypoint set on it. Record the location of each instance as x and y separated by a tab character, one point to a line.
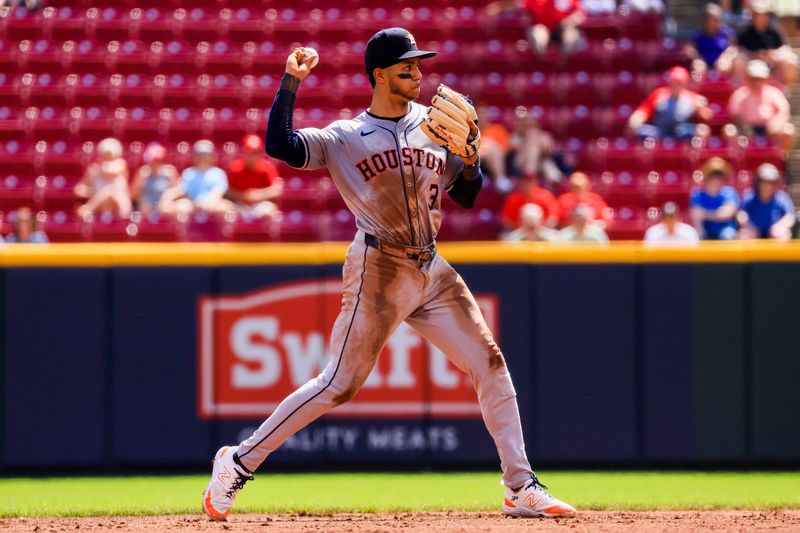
110	146
768	172
760	6
758	69
203	146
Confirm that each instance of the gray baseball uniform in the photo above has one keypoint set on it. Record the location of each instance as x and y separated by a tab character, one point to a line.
391	175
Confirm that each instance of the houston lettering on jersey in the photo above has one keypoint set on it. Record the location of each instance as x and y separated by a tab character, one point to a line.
387	160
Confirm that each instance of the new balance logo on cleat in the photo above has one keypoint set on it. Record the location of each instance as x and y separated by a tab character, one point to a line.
227	479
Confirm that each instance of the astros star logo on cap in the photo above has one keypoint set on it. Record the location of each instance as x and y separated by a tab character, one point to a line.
411	39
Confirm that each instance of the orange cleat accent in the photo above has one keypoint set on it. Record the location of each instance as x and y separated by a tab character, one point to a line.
557	510
210	511
508	503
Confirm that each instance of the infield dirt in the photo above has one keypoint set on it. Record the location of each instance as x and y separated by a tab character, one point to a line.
606	521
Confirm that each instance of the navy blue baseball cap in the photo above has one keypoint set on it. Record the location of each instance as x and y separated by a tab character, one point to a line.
391	46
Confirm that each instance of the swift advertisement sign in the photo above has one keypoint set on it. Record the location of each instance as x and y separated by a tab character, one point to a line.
256	348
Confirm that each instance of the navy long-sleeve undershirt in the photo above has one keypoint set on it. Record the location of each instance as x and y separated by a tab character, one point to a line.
282	142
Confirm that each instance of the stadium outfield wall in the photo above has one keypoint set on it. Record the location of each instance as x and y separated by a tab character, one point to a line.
127	355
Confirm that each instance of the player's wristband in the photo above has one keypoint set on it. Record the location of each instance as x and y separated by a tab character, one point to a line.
290	83
472	172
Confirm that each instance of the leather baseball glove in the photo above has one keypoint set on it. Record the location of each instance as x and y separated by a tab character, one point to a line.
453	124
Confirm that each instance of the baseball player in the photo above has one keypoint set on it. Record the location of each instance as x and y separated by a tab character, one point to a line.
391	164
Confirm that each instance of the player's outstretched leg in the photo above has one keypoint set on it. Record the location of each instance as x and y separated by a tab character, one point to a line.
452	321
375	298
227	479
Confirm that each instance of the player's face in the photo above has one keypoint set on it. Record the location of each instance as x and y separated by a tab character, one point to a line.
404	79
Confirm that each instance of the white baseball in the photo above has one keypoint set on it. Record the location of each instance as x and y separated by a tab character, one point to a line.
311	57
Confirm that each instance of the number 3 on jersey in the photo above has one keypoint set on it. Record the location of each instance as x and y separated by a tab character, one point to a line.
434	195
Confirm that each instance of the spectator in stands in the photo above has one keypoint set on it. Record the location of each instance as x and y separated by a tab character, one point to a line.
201	186
25	230
494	151
152	179
645	6
599	7
763	39
767	211
534	149
711	41
253	181
556	21
760	109
105	182
672	111
27	5
581	229
530	192
581	194
714	204
532	228
671	231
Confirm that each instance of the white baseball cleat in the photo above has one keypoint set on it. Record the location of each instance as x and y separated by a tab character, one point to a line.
227	479
533	500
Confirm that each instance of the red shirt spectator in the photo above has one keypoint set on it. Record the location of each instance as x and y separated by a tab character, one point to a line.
550	13
581	194
530	193
262	174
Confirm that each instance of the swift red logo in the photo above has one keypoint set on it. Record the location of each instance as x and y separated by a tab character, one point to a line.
257	348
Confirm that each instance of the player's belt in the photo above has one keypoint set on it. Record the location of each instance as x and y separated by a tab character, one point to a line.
408	252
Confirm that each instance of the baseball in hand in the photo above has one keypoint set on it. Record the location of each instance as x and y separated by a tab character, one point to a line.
310	57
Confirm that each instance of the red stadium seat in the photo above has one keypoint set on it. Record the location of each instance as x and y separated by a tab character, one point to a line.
580	89
115	23
756	153
85	56
68	23
134	90
669	186
16	158
89	90
297	226
46	122
601	27
247	24
130	56
93	123
63	226
15	192
174	57
224	90
43	56
152	228
182	124
339	225
624	89
155	24
20	24
668	155
629	222
222	57
196	24
175	89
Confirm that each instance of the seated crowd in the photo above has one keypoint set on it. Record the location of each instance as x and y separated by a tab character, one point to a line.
546	195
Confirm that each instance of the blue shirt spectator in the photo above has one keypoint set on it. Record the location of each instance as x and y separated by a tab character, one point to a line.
25	229
198	184
767	211
762	214
708	202
710	46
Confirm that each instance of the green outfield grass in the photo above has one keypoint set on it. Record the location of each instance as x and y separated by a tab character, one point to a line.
325	493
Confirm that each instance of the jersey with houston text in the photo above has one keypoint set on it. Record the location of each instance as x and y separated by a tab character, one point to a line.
390	174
